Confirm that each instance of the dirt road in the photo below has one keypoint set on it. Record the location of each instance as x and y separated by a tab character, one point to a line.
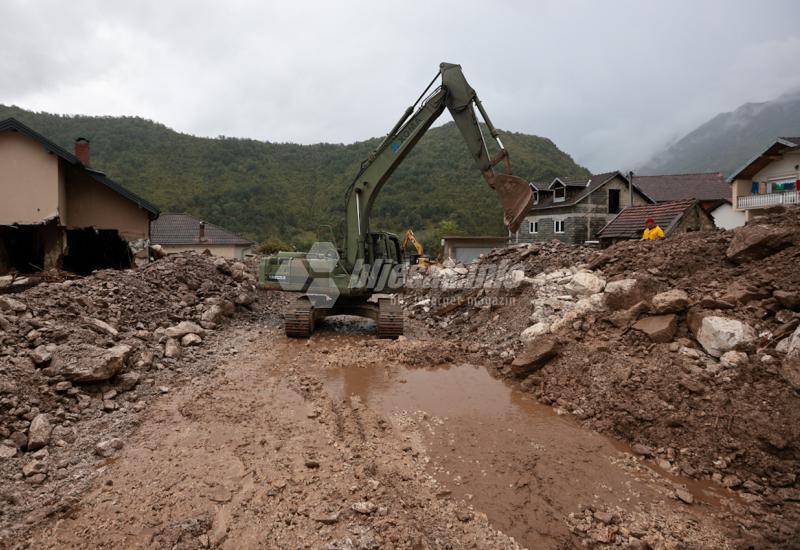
347	441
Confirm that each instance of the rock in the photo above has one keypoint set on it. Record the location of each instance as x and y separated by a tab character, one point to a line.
535	330
604	517
789	300
101	326
642	450
783	345
214	314
585	283
464	515
10	304
172	349
7	451
34	467
41	356
753	242
622	319
709	302
720	334
365	507
183	328
626	293
671	301
222	266
39	432
790	367
86	363
684	496
535	355
659	328
191	340
732	359
127	381
108	447
327	519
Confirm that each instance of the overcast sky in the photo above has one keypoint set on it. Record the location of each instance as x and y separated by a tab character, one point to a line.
609	82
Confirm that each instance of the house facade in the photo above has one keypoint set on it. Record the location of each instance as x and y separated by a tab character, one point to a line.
58	212
769	179
176	232
465	249
573	210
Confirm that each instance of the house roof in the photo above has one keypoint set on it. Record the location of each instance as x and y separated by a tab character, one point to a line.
705	186
761	160
589	183
630	223
182	229
14	125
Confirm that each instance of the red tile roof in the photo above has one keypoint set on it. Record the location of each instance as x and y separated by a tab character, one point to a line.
703	187
183	229
629	224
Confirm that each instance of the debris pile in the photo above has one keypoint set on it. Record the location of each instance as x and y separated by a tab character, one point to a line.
75	356
688	348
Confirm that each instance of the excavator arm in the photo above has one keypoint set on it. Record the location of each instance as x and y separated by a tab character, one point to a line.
460	99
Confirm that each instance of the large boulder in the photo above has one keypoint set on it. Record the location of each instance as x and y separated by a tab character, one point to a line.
86	363
585	283
626	293
10	304
671	301
659	328
535	355
790	367
720	334
39	432
753	242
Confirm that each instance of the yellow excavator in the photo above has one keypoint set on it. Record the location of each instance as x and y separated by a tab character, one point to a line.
419	258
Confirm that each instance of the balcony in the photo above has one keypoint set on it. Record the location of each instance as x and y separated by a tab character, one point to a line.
769	199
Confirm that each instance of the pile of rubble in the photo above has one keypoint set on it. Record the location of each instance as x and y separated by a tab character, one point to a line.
77	356
688	348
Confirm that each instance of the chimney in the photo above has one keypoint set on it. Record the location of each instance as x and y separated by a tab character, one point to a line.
201	232
82	150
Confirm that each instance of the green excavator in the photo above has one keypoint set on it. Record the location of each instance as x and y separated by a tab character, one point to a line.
354	280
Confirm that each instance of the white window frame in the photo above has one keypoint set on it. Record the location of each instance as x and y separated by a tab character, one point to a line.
556	224
533	227
563	189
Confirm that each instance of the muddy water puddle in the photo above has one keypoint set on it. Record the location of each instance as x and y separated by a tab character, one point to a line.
510	457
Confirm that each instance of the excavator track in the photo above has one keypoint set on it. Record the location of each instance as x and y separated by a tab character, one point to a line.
390	319
299	319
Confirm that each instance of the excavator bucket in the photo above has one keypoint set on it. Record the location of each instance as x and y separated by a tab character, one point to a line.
515	197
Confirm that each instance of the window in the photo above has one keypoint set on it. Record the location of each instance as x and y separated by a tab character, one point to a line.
558	226
613	201
559	194
533	227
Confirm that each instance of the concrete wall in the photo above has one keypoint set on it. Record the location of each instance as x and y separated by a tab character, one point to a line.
232	252
725	217
28	181
582	221
89	203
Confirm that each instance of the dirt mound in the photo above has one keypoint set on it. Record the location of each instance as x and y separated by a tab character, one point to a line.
80	359
677	346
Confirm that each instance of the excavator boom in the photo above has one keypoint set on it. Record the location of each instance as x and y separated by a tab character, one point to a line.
460	99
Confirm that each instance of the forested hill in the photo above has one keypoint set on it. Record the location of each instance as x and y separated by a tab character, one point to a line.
286	191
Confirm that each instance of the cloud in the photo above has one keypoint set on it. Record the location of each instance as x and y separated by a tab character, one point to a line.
609	82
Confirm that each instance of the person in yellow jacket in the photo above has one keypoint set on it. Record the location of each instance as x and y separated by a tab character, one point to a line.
652	231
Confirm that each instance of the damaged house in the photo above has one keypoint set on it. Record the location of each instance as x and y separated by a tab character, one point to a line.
58	212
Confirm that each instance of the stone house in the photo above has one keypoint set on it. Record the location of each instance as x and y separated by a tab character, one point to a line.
673	217
770	178
574	209
59	212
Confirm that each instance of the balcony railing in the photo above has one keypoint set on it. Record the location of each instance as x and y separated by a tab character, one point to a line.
769	199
